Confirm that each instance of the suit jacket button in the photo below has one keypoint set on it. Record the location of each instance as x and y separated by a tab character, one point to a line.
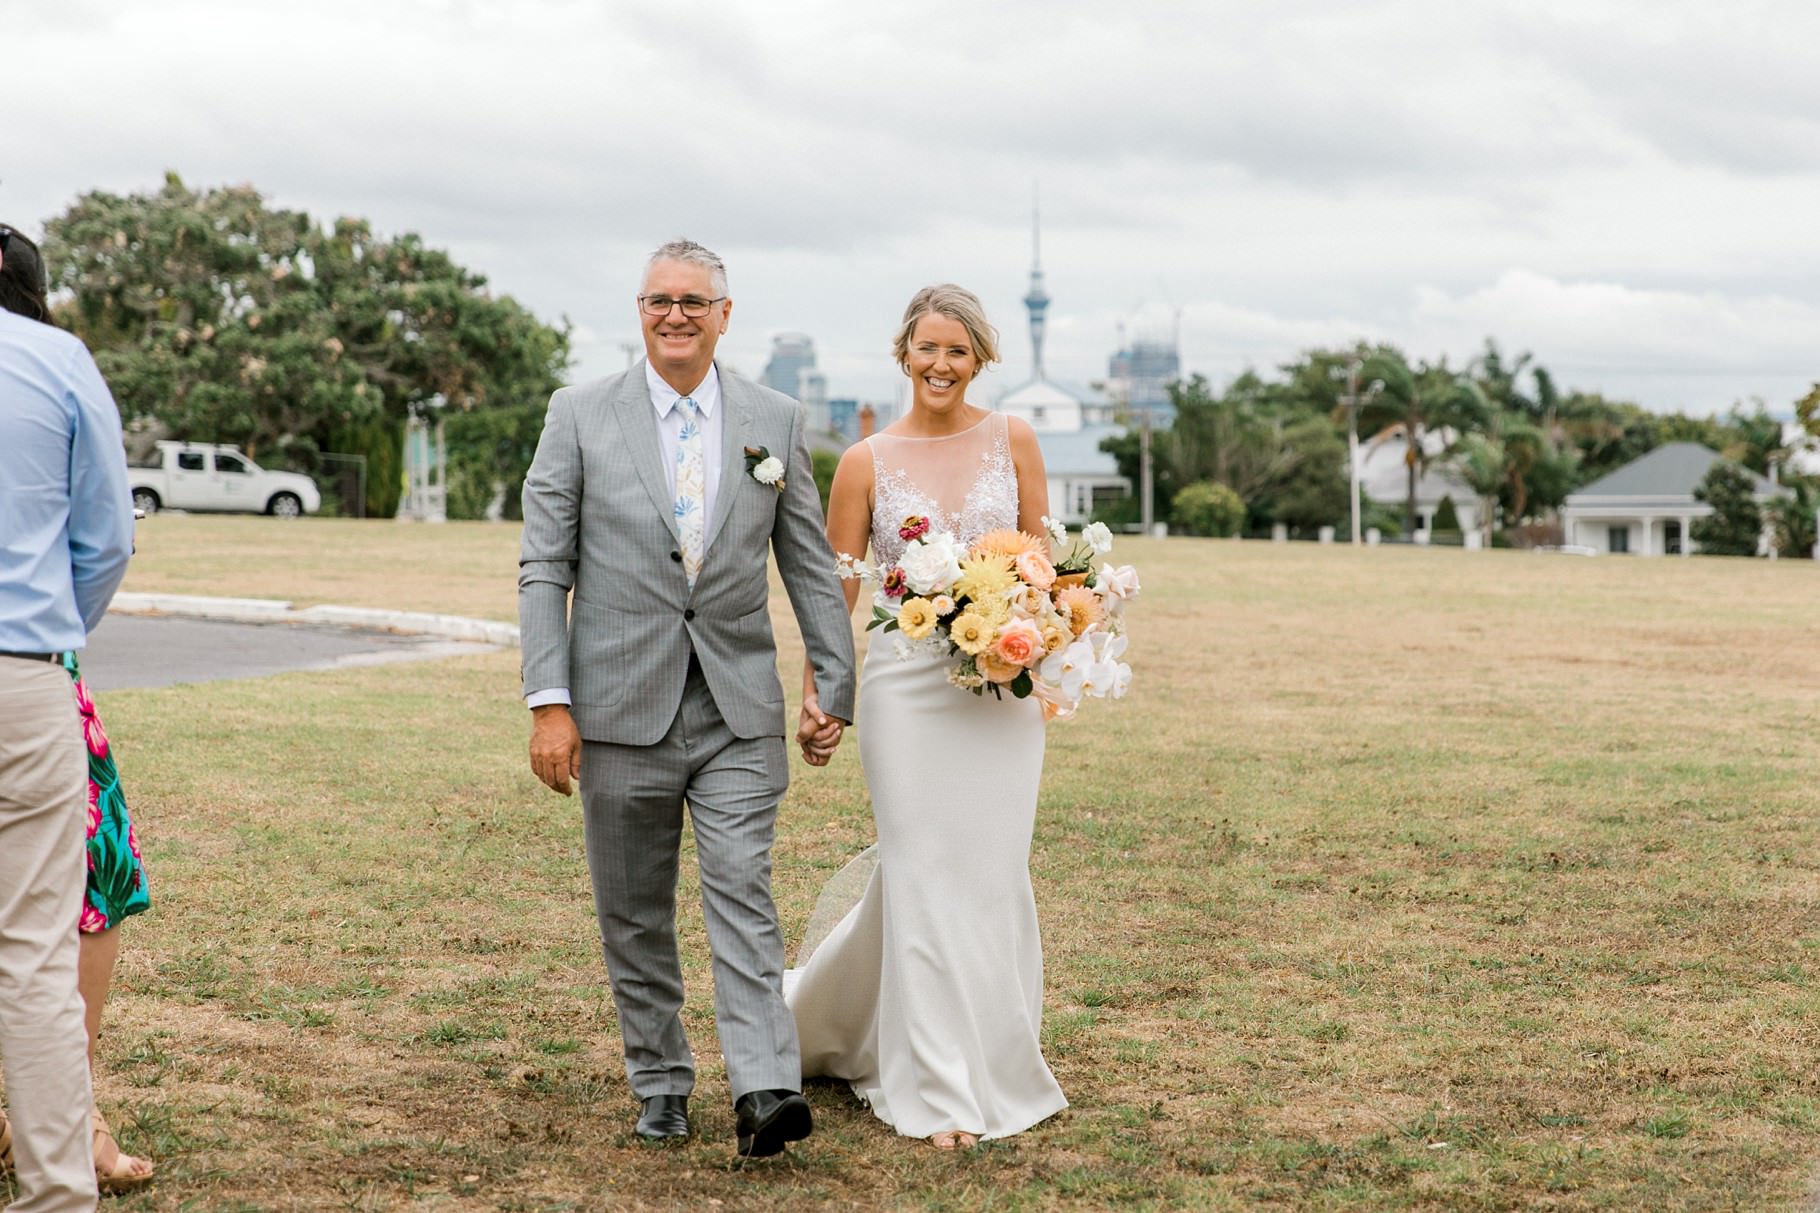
689	613
676	556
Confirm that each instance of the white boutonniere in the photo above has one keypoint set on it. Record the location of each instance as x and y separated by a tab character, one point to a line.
765	467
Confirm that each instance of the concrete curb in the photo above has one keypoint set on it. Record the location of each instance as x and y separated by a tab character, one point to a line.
267	610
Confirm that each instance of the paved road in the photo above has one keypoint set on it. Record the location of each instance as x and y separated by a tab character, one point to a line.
158	651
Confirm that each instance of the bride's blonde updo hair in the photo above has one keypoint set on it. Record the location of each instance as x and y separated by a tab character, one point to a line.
958	304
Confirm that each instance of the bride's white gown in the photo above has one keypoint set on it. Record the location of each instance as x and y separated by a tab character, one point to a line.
928	995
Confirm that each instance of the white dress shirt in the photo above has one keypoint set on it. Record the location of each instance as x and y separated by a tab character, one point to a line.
669	433
669	428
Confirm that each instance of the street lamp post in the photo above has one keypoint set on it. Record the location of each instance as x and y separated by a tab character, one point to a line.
1352	400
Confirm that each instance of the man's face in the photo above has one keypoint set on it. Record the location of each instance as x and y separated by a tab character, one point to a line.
674	341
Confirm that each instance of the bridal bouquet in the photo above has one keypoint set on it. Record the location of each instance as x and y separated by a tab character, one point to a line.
1009	615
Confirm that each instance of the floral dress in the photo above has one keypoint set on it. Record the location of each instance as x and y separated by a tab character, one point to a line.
116	874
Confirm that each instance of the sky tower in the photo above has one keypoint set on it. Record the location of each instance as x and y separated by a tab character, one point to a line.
1038	298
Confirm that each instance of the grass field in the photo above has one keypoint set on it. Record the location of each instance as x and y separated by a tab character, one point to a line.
1405	879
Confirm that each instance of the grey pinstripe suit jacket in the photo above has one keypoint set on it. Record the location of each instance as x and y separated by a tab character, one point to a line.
599	521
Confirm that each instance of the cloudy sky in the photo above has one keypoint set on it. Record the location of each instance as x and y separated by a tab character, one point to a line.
1631	190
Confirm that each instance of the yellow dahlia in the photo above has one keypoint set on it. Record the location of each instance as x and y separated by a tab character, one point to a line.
971	633
984	574
916	618
994	609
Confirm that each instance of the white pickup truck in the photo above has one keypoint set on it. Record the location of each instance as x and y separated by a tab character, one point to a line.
202	476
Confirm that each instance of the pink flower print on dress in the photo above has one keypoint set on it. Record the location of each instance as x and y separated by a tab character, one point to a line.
94	809
132	842
94	734
93	921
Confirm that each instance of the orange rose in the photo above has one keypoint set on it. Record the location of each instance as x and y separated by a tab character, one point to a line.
1018	643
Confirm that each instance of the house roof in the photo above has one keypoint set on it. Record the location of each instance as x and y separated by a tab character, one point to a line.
1384	476
1050	391
1672	471
1077	452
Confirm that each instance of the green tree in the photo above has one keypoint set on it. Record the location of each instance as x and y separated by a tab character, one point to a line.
1792	518
1807	412
1209	508
821	465
1310	488
1413	403
1736	523
222	319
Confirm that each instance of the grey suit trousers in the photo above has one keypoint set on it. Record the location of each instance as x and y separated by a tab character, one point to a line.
632	811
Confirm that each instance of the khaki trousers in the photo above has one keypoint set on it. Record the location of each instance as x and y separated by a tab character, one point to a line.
43	1043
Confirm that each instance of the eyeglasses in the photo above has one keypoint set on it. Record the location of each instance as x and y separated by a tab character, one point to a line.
693	306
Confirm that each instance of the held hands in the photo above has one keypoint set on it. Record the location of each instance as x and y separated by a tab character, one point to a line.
817	733
555	747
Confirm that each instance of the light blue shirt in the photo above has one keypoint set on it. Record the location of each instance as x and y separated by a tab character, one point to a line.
66	515
669	432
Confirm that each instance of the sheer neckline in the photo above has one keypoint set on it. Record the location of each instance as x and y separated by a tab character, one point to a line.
939	437
965	489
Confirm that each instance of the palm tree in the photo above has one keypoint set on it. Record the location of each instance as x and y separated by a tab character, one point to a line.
1413	404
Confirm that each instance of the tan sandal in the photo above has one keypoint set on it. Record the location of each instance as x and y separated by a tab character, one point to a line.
124	1175
952	1139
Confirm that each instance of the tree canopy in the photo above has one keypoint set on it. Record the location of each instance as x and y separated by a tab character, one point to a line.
1501	423
218	318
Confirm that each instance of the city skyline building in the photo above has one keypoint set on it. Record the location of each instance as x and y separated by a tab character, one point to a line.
1139	373
792	371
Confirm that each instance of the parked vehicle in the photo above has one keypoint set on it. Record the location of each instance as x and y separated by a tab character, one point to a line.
204	476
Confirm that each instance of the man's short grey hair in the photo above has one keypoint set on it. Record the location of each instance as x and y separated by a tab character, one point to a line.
693	254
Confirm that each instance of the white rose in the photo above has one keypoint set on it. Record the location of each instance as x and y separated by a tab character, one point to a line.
930	564
769	470
1098	536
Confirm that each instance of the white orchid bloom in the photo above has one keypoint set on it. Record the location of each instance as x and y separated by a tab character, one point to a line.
1058	530
1106	646
1066	669
1099	677
1098	536
1121	681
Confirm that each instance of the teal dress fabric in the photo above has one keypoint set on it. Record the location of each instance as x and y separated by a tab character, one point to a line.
116	874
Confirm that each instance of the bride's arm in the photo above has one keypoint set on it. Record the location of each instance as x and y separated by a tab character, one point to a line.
1032	480
849	530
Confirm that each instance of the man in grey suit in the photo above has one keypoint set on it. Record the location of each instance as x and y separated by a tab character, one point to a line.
651	674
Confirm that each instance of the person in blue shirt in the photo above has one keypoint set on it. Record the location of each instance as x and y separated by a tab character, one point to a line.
66	531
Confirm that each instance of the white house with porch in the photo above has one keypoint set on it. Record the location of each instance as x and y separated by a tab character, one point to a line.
1383	467
1647	507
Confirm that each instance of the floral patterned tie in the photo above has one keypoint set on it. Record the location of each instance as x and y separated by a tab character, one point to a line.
691	487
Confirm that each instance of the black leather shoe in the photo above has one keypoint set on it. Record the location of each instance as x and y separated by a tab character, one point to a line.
765	1120
664	1117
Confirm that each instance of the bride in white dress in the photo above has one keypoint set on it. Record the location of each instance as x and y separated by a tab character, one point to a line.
928	995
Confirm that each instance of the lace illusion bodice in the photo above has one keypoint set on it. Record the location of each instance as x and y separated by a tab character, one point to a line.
965	482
